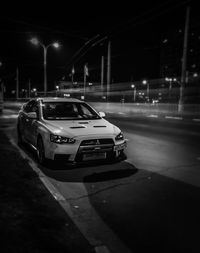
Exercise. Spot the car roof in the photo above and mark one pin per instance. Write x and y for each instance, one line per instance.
(58, 99)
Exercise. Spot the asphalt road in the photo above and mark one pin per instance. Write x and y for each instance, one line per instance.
(148, 202)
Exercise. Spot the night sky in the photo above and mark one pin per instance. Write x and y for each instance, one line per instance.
(136, 31)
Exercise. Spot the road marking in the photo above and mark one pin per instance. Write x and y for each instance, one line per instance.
(152, 116)
(171, 117)
(196, 120)
(115, 243)
(12, 116)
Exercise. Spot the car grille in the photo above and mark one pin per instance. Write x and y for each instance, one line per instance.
(93, 146)
(97, 142)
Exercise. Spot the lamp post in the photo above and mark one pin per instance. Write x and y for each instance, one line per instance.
(170, 80)
(36, 42)
(57, 90)
(145, 82)
(134, 94)
(73, 72)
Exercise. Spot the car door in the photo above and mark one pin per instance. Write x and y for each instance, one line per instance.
(32, 124)
(24, 119)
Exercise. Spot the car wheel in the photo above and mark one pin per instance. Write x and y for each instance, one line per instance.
(41, 152)
(20, 138)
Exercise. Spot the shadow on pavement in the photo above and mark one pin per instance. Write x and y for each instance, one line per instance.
(106, 172)
(91, 172)
(109, 175)
(151, 214)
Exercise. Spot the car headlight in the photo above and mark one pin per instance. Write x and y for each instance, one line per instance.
(61, 140)
(119, 137)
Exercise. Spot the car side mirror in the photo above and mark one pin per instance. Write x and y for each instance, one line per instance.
(102, 114)
(32, 115)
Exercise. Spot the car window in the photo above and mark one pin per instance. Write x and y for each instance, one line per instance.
(28, 106)
(67, 111)
(31, 106)
(34, 107)
(85, 111)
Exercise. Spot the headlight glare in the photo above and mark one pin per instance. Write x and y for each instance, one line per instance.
(61, 139)
(119, 137)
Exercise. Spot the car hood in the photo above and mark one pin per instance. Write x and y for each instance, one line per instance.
(75, 128)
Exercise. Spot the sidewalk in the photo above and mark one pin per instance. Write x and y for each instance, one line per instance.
(30, 219)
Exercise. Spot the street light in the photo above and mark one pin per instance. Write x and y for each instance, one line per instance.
(34, 92)
(57, 90)
(146, 83)
(134, 94)
(36, 42)
(170, 80)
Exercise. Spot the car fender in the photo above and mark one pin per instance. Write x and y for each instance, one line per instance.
(44, 132)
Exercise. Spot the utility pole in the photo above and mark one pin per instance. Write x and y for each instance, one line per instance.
(73, 72)
(84, 84)
(102, 72)
(29, 88)
(86, 73)
(108, 69)
(45, 70)
(184, 60)
(17, 83)
(2, 88)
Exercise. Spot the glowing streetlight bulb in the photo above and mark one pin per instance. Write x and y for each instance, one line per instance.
(34, 41)
(56, 45)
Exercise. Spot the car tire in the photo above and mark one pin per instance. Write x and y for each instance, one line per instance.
(20, 138)
(41, 152)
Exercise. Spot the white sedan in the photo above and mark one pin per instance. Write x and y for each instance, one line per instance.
(69, 130)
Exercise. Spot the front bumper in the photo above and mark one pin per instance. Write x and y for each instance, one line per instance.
(100, 152)
(106, 150)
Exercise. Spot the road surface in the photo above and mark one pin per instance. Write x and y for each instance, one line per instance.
(148, 202)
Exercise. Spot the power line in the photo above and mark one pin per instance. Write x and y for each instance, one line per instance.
(81, 48)
(90, 47)
(43, 27)
(134, 22)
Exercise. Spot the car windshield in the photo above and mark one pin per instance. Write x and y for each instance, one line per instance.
(68, 111)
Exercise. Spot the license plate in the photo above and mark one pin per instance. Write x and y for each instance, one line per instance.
(95, 156)
(120, 147)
